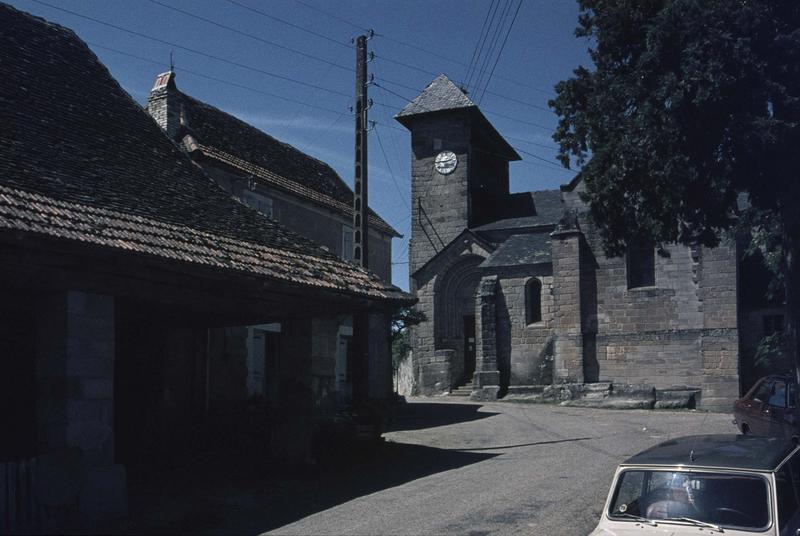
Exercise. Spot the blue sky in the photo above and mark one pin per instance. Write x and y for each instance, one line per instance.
(286, 66)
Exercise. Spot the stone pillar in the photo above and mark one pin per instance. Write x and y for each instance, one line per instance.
(568, 365)
(324, 345)
(380, 357)
(720, 340)
(75, 401)
(486, 381)
(291, 421)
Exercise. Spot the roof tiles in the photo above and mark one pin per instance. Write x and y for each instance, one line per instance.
(441, 94)
(80, 160)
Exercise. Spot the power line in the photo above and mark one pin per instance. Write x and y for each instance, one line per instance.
(529, 142)
(215, 79)
(490, 51)
(497, 59)
(392, 135)
(471, 70)
(391, 173)
(534, 106)
(545, 160)
(194, 51)
(548, 92)
(498, 114)
(325, 131)
(289, 23)
(552, 163)
(300, 52)
(340, 19)
(287, 99)
(252, 36)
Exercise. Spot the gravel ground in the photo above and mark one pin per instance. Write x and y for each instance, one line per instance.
(449, 466)
(498, 468)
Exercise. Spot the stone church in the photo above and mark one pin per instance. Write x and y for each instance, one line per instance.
(518, 293)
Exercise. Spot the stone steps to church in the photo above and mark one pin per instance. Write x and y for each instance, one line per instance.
(462, 390)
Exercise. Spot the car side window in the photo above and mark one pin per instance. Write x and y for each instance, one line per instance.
(787, 497)
(763, 392)
(794, 467)
(778, 396)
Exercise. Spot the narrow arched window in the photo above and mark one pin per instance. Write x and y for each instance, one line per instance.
(533, 301)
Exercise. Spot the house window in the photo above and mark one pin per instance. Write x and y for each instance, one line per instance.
(347, 242)
(533, 301)
(259, 202)
(641, 264)
(772, 324)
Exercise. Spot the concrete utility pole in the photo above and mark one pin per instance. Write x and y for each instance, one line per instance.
(360, 186)
(360, 222)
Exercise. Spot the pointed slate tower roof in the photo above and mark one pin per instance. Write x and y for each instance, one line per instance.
(440, 95)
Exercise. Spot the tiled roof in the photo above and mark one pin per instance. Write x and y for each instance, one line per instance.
(282, 165)
(81, 161)
(521, 249)
(548, 210)
(441, 94)
(291, 186)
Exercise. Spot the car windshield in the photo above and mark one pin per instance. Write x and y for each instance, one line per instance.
(726, 500)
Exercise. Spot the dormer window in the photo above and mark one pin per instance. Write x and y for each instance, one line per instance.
(259, 202)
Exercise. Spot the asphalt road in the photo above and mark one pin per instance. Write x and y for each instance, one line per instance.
(456, 467)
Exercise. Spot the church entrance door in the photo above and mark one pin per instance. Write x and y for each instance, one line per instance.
(469, 347)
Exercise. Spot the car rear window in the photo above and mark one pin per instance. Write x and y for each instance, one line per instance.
(725, 499)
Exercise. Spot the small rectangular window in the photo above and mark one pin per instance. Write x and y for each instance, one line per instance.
(347, 242)
(641, 264)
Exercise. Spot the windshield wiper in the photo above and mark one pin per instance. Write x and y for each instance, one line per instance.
(694, 522)
(637, 518)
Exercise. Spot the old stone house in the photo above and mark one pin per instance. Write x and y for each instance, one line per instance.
(302, 193)
(119, 258)
(518, 293)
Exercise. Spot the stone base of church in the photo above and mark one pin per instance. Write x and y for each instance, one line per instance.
(485, 385)
(485, 394)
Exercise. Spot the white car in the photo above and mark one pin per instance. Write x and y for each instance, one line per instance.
(704, 485)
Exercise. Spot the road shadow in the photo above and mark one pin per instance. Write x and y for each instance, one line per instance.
(239, 495)
(418, 415)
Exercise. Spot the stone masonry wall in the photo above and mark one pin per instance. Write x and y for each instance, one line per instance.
(720, 347)
(568, 365)
(440, 203)
(521, 346)
(680, 332)
(423, 285)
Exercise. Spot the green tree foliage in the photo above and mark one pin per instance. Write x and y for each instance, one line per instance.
(402, 319)
(689, 104)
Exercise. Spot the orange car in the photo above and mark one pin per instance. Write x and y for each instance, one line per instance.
(769, 408)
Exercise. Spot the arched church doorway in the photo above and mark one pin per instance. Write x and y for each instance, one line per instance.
(454, 316)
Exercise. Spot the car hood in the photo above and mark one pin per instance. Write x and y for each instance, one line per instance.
(663, 529)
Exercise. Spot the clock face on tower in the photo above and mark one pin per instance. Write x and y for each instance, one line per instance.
(446, 162)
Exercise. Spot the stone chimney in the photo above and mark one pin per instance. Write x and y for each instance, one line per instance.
(164, 104)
